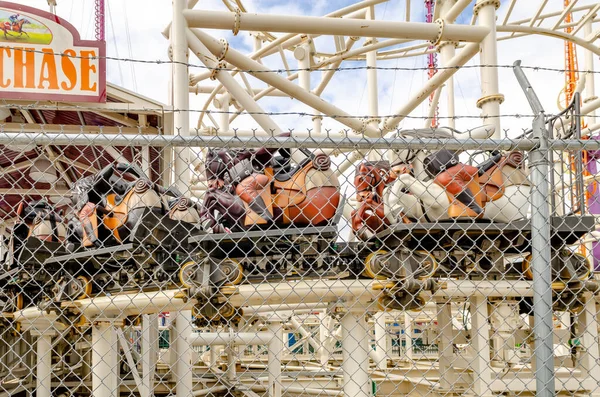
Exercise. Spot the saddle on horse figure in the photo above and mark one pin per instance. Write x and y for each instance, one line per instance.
(249, 188)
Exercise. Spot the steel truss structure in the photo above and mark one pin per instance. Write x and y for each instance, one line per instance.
(505, 307)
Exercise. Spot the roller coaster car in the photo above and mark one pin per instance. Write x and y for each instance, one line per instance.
(269, 219)
(126, 233)
(38, 233)
(464, 218)
(112, 210)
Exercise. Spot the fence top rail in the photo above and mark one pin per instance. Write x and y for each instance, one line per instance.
(321, 142)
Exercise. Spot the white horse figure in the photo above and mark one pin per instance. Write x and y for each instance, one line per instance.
(505, 188)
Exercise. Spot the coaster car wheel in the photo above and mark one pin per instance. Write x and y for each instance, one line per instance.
(187, 273)
(429, 265)
(86, 287)
(369, 270)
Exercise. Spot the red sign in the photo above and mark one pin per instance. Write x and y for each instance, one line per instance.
(43, 58)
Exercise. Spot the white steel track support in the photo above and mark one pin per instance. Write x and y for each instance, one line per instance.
(490, 100)
(468, 52)
(275, 354)
(181, 97)
(480, 336)
(283, 84)
(232, 86)
(588, 326)
(183, 374)
(44, 363)
(333, 26)
(105, 359)
(355, 347)
(590, 85)
(381, 342)
(447, 52)
(149, 352)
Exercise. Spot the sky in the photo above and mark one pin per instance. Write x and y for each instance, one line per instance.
(133, 30)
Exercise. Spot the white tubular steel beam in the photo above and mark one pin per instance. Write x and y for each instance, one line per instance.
(590, 85)
(268, 76)
(232, 86)
(181, 96)
(433, 105)
(305, 334)
(131, 363)
(301, 292)
(234, 338)
(381, 349)
(453, 65)
(332, 26)
(490, 96)
(183, 367)
(355, 349)
(275, 354)
(149, 353)
(105, 360)
(44, 364)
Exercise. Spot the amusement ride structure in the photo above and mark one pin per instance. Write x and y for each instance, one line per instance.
(351, 258)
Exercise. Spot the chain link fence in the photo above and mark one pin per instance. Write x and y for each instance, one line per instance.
(431, 262)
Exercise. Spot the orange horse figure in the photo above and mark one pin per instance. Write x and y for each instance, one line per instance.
(15, 27)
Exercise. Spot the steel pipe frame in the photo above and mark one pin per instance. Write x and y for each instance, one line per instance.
(302, 292)
(529, 30)
(289, 40)
(234, 338)
(355, 350)
(489, 75)
(232, 86)
(273, 79)
(44, 363)
(274, 362)
(181, 97)
(468, 52)
(275, 142)
(105, 360)
(332, 26)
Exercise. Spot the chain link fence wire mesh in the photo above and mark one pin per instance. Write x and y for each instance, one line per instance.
(428, 263)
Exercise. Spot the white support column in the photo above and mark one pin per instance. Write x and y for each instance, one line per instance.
(183, 353)
(447, 52)
(105, 360)
(381, 340)
(222, 104)
(230, 373)
(355, 347)
(590, 87)
(372, 90)
(275, 353)
(181, 102)
(303, 56)
(490, 97)
(480, 336)
(149, 352)
(590, 356)
(44, 363)
(445, 345)
(408, 334)
(323, 335)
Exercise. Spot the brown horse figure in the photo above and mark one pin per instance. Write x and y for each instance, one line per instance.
(371, 179)
(15, 27)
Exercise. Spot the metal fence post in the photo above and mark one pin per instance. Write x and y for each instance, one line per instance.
(540, 245)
